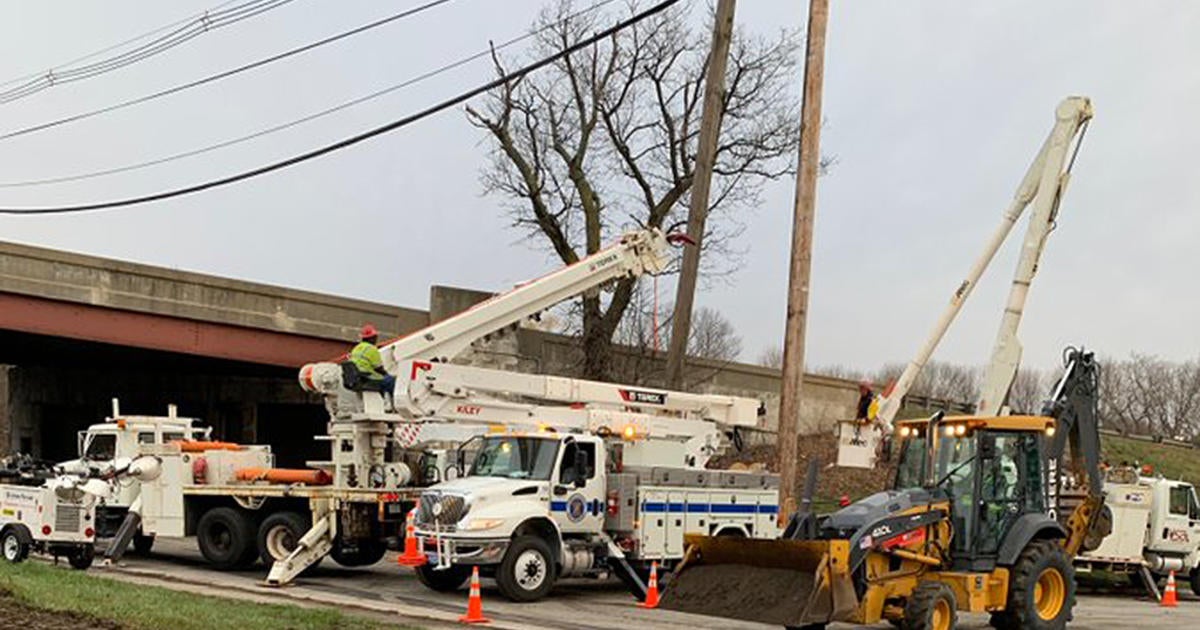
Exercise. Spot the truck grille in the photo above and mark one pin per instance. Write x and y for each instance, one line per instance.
(453, 508)
(66, 518)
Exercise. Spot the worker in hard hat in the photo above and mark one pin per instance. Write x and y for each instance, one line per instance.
(366, 357)
(868, 402)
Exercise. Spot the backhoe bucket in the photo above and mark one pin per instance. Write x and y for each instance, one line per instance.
(779, 582)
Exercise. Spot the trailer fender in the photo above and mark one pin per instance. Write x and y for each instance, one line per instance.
(1027, 528)
(21, 530)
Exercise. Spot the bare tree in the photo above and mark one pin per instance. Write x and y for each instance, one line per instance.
(840, 371)
(771, 357)
(607, 136)
(947, 381)
(713, 337)
(1029, 390)
(1151, 396)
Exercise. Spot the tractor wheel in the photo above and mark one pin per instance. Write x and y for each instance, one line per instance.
(932, 606)
(1041, 589)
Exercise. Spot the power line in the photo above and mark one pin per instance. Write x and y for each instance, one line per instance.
(309, 118)
(118, 45)
(226, 74)
(366, 135)
(179, 33)
(296, 122)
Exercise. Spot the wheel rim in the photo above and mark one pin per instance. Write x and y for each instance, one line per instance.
(1049, 594)
(530, 569)
(280, 542)
(12, 547)
(941, 615)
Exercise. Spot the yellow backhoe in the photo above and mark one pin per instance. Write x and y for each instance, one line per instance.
(969, 526)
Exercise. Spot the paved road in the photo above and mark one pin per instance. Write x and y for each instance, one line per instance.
(386, 589)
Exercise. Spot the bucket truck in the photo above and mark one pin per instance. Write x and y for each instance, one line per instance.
(1042, 187)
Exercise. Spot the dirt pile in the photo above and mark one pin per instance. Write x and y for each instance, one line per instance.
(16, 614)
(737, 591)
(832, 482)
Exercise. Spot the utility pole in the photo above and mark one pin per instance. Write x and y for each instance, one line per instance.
(706, 153)
(801, 263)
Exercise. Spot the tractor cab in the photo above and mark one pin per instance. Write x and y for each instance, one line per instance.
(991, 470)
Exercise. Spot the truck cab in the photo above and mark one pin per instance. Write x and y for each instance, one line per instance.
(530, 507)
(1173, 533)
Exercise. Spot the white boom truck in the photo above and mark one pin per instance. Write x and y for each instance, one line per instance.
(1043, 187)
(1155, 530)
(600, 493)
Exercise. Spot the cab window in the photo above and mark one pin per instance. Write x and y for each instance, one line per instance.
(102, 447)
(146, 437)
(1181, 497)
(172, 437)
(566, 468)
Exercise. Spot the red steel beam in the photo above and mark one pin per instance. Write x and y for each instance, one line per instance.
(159, 332)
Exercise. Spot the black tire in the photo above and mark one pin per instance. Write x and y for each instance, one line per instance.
(142, 544)
(226, 538)
(527, 572)
(364, 553)
(278, 534)
(445, 581)
(1196, 581)
(14, 546)
(1040, 561)
(932, 606)
(81, 558)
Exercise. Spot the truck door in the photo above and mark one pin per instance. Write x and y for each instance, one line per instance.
(1175, 533)
(578, 503)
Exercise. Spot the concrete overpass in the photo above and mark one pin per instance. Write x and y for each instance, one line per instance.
(76, 331)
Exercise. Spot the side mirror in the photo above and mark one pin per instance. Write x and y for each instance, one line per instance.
(581, 468)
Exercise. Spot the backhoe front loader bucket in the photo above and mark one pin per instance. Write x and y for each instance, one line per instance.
(780, 582)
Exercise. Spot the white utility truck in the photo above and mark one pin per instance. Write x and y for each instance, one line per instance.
(1043, 187)
(536, 507)
(1155, 530)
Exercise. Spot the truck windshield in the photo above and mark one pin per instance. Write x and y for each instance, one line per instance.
(515, 458)
(102, 446)
(912, 463)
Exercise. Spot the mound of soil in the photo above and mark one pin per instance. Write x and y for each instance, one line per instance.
(737, 591)
(832, 482)
(16, 614)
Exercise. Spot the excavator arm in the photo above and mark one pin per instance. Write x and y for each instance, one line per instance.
(1075, 451)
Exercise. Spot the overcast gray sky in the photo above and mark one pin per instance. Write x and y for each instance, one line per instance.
(933, 110)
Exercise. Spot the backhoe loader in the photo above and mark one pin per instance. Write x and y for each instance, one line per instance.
(969, 526)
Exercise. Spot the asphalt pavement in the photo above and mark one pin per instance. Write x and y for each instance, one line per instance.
(387, 590)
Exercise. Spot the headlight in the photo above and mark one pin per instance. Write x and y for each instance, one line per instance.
(480, 524)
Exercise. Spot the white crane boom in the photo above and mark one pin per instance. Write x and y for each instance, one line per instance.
(1042, 185)
(636, 253)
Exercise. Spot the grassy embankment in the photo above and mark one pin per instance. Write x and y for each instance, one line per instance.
(148, 607)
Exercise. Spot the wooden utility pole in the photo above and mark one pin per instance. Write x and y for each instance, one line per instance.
(706, 153)
(801, 264)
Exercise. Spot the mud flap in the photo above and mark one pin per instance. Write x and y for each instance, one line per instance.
(779, 582)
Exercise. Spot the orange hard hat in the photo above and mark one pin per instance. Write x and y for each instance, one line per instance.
(368, 331)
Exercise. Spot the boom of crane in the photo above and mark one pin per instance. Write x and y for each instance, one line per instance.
(1043, 187)
(969, 526)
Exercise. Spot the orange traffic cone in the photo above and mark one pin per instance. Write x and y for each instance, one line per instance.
(1170, 600)
(413, 556)
(652, 588)
(474, 602)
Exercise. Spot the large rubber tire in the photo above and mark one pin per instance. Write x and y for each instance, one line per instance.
(364, 554)
(81, 558)
(13, 546)
(932, 606)
(445, 581)
(1196, 581)
(142, 544)
(278, 535)
(1041, 589)
(226, 538)
(527, 572)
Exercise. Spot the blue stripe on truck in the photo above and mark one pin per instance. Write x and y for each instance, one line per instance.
(716, 508)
